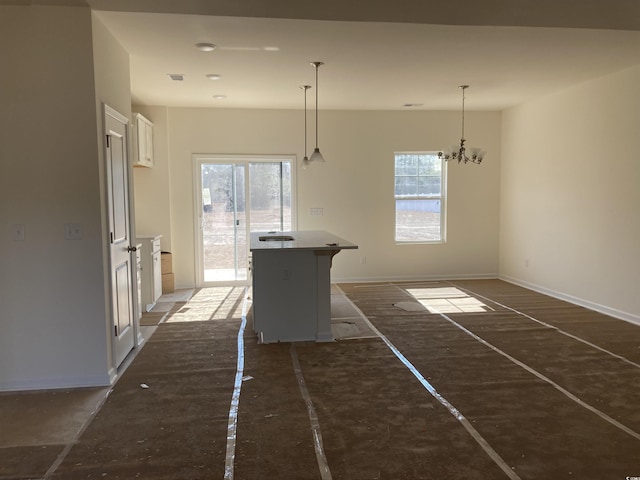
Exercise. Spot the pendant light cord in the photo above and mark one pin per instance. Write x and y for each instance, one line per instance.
(305, 119)
(316, 156)
(317, 66)
(463, 87)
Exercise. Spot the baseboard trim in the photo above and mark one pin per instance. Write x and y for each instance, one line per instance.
(416, 278)
(58, 383)
(612, 312)
(113, 374)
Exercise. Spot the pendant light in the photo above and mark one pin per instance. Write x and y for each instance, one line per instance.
(305, 160)
(459, 152)
(316, 156)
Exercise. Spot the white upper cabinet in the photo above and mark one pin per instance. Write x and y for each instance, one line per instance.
(142, 142)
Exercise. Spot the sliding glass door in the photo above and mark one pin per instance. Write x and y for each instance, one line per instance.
(238, 195)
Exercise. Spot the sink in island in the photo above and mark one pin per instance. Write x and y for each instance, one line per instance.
(292, 284)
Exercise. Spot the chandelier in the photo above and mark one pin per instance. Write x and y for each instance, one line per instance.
(460, 152)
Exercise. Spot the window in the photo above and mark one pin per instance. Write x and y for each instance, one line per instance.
(420, 197)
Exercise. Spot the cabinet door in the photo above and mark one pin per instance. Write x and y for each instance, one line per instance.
(157, 276)
(148, 134)
(142, 141)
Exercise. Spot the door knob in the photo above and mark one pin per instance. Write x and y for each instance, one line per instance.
(131, 249)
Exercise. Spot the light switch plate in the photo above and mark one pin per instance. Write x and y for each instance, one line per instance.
(17, 230)
(316, 211)
(73, 231)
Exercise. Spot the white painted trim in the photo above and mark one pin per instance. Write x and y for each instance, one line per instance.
(612, 312)
(416, 278)
(197, 219)
(109, 111)
(104, 380)
(113, 375)
(115, 114)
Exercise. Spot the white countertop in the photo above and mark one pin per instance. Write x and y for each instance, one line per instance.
(302, 240)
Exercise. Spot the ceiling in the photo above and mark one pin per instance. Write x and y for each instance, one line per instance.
(379, 57)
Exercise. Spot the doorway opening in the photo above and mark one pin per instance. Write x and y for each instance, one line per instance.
(236, 195)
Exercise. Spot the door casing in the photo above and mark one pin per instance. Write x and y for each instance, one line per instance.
(125, 331)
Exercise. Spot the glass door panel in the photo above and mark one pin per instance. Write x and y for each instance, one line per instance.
(270, 196)
(224, 227)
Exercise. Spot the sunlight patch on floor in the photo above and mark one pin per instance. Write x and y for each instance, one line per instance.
(212, 303)
(448, 300)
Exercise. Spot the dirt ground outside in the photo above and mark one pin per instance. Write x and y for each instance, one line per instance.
(220, 234)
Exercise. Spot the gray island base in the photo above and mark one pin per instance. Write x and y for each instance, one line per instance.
(292, 284)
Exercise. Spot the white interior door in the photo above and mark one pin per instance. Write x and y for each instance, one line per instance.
(122, 262)
(238, 195)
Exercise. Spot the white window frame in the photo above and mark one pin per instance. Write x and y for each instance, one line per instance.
(442, 197)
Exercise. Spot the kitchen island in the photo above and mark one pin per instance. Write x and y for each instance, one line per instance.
(292, 284)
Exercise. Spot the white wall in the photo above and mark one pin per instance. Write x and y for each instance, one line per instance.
(51, 290)
(152, 188)
(55, 320)
(354, 187)
(112, 88)
(570, 206)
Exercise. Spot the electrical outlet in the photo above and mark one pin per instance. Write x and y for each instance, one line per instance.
(18, 232)
(73, 231)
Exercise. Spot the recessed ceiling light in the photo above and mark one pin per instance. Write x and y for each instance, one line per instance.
(178, 77)
(219, 97)
(206, 47)
(213, 76)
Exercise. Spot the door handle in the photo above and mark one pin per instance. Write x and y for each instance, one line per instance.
(131, 249)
